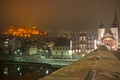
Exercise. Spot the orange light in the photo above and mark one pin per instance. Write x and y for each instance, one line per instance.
(45, 33)
(40, 33)
(29, 35)
(23, 32)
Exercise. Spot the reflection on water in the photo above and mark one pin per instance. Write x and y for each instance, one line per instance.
(24, 71)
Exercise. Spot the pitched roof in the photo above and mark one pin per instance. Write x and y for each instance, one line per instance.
(108, 37)
(108, 30)
(62, 42)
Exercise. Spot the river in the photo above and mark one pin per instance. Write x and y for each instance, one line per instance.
(11, 70)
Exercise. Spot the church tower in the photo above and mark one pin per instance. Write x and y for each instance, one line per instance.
(114, 28)
(108, 36)
(101, 30)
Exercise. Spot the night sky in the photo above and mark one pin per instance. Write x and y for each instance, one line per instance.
(56, 15)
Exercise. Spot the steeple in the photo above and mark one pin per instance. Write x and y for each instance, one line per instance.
(101, 24)
(115, 21)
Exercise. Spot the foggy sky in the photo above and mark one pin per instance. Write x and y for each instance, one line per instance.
(75, 15)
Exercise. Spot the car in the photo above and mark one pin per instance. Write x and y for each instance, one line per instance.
(98, 57)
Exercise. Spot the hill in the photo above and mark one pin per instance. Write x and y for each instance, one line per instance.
(107, 67)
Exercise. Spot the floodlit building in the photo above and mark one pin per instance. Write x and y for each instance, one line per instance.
(108, 36)
(24, 31)
(33, 50)
(61, 48)
(83, 42)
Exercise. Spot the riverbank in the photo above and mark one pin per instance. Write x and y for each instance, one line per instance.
(56, 63)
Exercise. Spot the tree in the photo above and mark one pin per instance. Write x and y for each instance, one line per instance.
(102, 48)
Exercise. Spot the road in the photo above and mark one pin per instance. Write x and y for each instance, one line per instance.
(90, 75)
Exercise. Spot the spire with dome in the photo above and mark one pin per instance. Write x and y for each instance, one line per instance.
(115, 21)
(101, 24)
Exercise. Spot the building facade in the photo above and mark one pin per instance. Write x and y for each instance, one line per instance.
(83, 42)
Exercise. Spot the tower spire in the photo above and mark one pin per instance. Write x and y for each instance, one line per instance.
(101, 24)
(115, 21)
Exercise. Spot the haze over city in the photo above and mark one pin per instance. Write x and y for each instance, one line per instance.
(54, 15)
(59, 39)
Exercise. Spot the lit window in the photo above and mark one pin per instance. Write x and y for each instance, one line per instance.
(73, 50)
(76, 50)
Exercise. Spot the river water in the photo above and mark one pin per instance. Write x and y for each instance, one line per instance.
(24, 71)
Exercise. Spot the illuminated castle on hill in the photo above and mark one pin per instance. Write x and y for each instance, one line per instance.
(24, 31)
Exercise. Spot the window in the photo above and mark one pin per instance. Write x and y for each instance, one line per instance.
(56, 52)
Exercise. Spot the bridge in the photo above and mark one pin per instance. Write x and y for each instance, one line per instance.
(36, 59)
